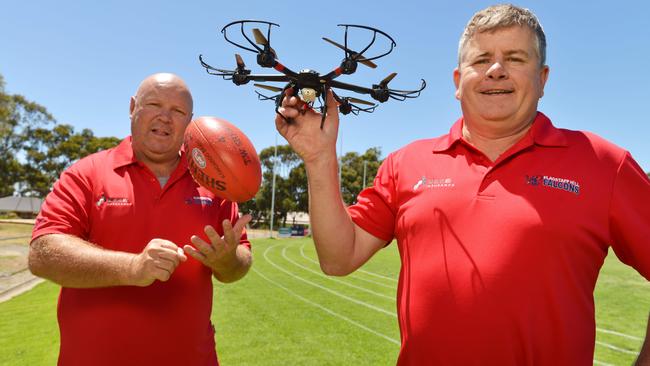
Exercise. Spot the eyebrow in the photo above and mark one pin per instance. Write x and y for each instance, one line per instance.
(517, 52)
(520, 52)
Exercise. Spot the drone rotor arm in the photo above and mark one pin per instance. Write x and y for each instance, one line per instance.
(270, 77)
(350, 87)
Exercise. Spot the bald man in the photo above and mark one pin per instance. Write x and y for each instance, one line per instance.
(115, 233)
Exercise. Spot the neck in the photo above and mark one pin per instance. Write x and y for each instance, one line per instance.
(158, 168)
(493, 143)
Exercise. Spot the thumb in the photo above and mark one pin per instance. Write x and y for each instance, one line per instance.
(332, 104)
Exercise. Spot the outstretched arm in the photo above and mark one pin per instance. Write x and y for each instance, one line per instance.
(341, 245)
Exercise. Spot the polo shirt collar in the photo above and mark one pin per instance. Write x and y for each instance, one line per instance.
(542, 132)
(124, 155)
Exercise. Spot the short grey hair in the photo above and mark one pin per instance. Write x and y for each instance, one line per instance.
(504, 16)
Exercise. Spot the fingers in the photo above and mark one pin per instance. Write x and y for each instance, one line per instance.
(157, 261)
(218, 249)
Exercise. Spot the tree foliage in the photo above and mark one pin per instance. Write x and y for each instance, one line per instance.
(34, 149)
(291, 193)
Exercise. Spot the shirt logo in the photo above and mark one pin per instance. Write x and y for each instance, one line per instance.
(198, 157)
(429, 183)
(562, 184)
(199, 200)
(112, 201)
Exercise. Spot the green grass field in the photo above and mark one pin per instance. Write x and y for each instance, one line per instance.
(286, 312)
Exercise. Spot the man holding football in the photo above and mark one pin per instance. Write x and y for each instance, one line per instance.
(114, 233)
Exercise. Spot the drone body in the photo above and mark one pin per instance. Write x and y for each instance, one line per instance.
(307, 84)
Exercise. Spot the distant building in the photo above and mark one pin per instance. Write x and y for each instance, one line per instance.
(23, 206)
(297, 218)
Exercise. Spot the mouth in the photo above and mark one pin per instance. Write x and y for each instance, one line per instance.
(497, 91)
(160, 132)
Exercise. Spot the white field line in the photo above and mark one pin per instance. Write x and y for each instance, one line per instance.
(607, 331)
(377, 275)
(355, 274)
(614, 348)
(336, 293)
(327, 310)
(320, 274)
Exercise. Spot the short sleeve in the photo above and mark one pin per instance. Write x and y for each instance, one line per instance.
(629, 216)
(65, 210)
(375, 209)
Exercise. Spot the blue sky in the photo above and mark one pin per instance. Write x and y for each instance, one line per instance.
(83, 60)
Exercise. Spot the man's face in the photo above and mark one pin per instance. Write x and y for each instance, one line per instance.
(499, 80)
(160, 112)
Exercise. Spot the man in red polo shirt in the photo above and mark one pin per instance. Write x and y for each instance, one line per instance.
(502, 225)
(115, 231)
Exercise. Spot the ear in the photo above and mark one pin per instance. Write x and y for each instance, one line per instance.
(543, 76)
(132, 106)
(457, 82)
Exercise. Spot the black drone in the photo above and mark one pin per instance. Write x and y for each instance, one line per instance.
(307, 84)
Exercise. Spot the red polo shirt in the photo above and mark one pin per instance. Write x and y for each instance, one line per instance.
(112, 200)
(500, 259)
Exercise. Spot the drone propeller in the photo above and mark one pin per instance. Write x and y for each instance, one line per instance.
(269, 87)
(387, 80)
(261, 40)
(358, 101)
(360, 59)
(240, 62)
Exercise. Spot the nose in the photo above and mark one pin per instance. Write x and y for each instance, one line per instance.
(497, 72)
(165, 114)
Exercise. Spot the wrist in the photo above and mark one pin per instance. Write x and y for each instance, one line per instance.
(322, 163)
(225, 265)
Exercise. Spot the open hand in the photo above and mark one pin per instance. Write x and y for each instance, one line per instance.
(220, 254)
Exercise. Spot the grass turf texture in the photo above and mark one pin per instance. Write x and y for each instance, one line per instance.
(286, 312)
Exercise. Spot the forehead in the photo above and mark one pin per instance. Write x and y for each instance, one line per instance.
(164, 90)
(502, 39)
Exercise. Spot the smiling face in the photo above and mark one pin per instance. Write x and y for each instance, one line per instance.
(499, 80)
(160, 111)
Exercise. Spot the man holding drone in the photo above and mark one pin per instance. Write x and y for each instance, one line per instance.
(502, 224)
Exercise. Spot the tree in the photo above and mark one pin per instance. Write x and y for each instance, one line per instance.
(352, 167)
(17, 116)
(260, 206)
(291, 182)
(49, 152)
(34, 150)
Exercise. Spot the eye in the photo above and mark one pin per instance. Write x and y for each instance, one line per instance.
(515, 59)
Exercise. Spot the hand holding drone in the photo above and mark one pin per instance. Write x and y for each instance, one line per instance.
(307, 84)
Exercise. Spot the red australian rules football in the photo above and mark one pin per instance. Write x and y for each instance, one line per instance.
(222, 159)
